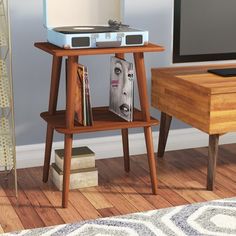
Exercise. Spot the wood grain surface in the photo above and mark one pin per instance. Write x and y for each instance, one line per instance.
(200, 99)
(56, 51)
(103, 119)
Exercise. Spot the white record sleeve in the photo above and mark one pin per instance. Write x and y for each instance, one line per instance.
(121, 88)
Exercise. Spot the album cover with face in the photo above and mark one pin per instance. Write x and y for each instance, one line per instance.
(121, 88)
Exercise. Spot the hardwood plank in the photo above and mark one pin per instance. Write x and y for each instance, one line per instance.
(69, 214)
(25, 211)
(125, 189)
(83, 205)
(194, 164)
(184, 175)
(39, 201)
(9, 220)
(227, 155)
(95, 198)
(228, 183)
(170, 177)
(166, 193)
(114, 197)
(142, 187)
(107, 212)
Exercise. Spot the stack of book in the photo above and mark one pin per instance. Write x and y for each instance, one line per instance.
(83, 171)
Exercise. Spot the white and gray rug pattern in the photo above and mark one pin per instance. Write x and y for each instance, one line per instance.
(216, 218)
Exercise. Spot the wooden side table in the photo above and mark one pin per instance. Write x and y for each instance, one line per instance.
(198, 98)
(63, 121)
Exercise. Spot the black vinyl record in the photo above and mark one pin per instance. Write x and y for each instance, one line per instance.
(83, 29)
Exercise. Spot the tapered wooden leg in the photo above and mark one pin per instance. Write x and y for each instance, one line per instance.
(163, 134)
(124, 132)
(151, 158)
(212, 159)
(70, 90)
(47, 155)
(142, 85)
(70, 99)
(66, 169)
(55, 80)
(143, 97)
(125, 141)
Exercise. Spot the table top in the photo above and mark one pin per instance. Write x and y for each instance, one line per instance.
(198, 77)
(57, 51)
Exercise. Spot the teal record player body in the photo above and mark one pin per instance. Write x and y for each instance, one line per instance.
(76, 24)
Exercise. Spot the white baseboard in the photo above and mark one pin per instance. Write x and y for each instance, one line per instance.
(111, 146)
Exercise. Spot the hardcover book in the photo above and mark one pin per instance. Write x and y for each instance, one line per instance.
(121, 88)
(82, 157)
(78, 178)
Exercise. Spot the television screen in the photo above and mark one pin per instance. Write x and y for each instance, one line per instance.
(204, 30)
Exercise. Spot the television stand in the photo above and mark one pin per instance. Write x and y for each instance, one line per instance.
(225, 72)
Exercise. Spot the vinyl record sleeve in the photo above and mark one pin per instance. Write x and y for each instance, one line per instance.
(83, 109)
(79, 105)
(121, 88)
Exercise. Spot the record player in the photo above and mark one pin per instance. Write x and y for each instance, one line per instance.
(76, 24)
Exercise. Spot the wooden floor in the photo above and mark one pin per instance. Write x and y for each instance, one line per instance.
(182, 180)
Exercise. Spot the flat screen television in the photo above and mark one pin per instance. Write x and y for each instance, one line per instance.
(204, 30)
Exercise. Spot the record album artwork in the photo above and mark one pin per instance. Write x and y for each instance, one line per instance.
(121, 88)
(83, 109)
(80, 95)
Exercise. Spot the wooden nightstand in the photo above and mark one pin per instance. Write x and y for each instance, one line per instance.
(198, 98)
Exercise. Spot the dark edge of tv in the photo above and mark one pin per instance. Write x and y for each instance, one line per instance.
(177, 58)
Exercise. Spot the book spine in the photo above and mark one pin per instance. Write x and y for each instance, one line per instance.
(76, 163)
(78, 107)
(88, 101)
(84, 97)
(77, 180)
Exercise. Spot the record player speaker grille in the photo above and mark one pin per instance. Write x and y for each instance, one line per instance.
(134, 39)
(80, 42)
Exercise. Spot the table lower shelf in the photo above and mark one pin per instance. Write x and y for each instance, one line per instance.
(103, 120)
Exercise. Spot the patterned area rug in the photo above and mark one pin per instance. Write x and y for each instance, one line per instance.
(209, 218)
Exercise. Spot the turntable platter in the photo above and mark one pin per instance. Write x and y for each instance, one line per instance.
(83, 29)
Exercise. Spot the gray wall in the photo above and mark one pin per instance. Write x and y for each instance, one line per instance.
(31, 67)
